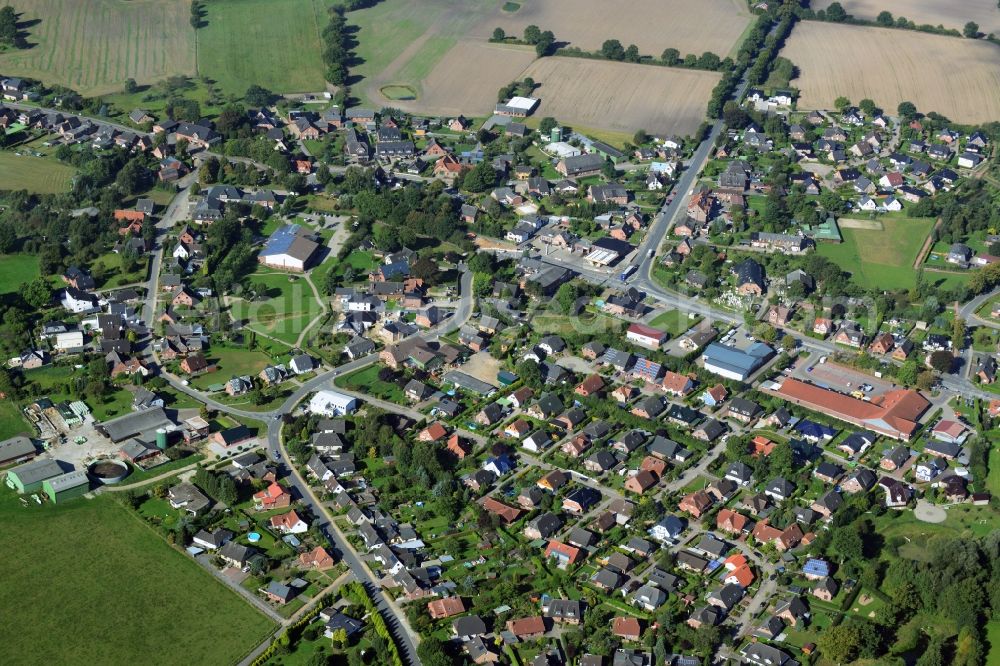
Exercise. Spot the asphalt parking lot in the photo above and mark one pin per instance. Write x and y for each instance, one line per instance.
(844, 379)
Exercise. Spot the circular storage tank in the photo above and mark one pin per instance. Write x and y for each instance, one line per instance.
(108, 471)
(161, 439)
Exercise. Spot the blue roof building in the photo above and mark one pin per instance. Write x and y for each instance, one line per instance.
(734, 363)
(288, 248)
(814, 431)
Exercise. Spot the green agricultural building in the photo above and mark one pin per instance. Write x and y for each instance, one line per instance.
(66, 486)
(28, 478)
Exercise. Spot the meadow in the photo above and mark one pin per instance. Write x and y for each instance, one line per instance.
(16, 269)
(272, 43)
(286, 312)
(959, 78)
(94, 46)
(42, 175)
(881, 258)
(74, 558)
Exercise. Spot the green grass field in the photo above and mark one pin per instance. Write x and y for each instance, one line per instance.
(52, 381)
(288, 310)
(15, 270)
(114, 591)
(673, 322)
(94, 46)
(11, 420)
(36, 174)
(881, 259)
(366, 379)
(272, 43)
(231, 361)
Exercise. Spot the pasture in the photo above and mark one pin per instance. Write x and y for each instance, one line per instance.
(272, 43)
(34, 174)
(94, 46)
(622, 97)
(958, 78)
(91, 569)
(925, 12)
(881, 258)
(652, 25)
(15, 270)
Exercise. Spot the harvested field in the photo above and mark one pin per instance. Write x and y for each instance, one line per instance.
(690, 26)
(958, 78)
(94, 46)
(467, 80)
(622, 97)
(407, 42)
(925, 12)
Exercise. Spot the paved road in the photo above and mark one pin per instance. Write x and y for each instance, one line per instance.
(406, 639)
(67, 114)
(968, 311)
(205, 561)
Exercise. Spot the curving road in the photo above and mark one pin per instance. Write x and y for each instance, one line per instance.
(406, 639)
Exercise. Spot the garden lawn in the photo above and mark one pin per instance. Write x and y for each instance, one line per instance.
(16, 269)
(285, 313)
(366, 380)
(231, 361)
(882, 259)
(41, 175)
(114, 591)
(673, 322)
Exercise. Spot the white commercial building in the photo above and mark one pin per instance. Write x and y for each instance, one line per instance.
(332, 403)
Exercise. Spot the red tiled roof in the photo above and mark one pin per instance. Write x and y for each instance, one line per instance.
(446, 607)
(626, 627)
(895, 413)
(648, 331)
(286, 520)
(572, 554)
(675, 382)
(527, 626)
(507, 513)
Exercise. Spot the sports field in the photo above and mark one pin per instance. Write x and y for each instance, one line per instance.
(272, 43)
(959, 78)
(881, 258)
(89, 583)
(15, 270)
(94, 46)
(35, 174)
(925, 12)
(622, 97)
(286, 312)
